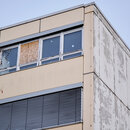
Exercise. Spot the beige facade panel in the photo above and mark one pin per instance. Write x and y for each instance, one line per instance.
(19, 31)
(88, 102)
(42, 78)
(29, 52)
(88, 43)
(62, 19)
(68, 127)
(89, 9)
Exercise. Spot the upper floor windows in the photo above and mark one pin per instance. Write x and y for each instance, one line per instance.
(41, 51)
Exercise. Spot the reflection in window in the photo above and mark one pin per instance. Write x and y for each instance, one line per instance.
(51, 47)
(9, 58)
(72, 42)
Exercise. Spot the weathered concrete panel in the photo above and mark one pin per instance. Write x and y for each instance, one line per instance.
(20, 31)
(128, 80)
(104, 118)
(121, 116)
(121, 84)
(109, 112)
(62, 19)
(106, 57)
(96, 45)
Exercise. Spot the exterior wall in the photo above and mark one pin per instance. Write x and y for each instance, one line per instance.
(19, 31)
(109, 112)
(42, 78)
(112, 69)
(69, 127)
(62, 19)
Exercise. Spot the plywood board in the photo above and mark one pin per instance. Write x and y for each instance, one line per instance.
(29, 52)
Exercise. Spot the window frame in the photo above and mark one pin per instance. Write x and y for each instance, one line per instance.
(39, 60)
(30, 63)
(7, 48)
(41, 50)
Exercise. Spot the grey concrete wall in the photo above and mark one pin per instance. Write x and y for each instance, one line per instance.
(109, 112)
(112, 66)
(111, 61)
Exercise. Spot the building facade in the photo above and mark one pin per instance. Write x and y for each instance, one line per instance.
(69, 70)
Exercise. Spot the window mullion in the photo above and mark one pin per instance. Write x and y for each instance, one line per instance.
(18, 58)
(61, 45)
(40, 51)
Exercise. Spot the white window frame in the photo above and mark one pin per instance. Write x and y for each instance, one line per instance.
(30, 63)
(40, 49)
(41, 46)
(7, 48)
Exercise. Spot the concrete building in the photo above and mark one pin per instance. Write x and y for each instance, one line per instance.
(69, 70)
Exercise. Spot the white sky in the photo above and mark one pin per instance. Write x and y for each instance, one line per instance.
(116, 11)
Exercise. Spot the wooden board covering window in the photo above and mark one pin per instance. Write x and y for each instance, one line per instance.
(29, 52)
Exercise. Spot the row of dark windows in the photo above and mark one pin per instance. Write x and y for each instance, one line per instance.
(46, 50)
(42, 112)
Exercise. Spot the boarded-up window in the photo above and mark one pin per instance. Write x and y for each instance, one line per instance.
(29, 52)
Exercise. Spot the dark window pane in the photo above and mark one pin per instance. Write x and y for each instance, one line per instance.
(72, 56)
(67, 107)
(9, 57)
(19, 115)
(51, 47)
(73, 42)
(5, 116)
(50, 112)
(28, 66)
(34, 114)
(78, 104)
(50, 61)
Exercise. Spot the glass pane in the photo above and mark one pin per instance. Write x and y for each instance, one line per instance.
(9, 57)
(73, 42)
(72, 56)
(51, 47)
(50, 61)
(29, 52)
(28, 66)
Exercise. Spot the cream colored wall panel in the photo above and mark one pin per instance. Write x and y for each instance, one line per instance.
(20, 31)
(88, 43)
(88, 102)
(89, 9)
(68, 127)
(42, 78)
(62, 19)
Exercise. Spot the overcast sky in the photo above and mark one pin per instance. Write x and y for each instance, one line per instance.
(116, 11)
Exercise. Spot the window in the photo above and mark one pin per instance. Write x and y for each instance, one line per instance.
(42, 112)
(29, 54)
(62, 46)
(8, 60)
